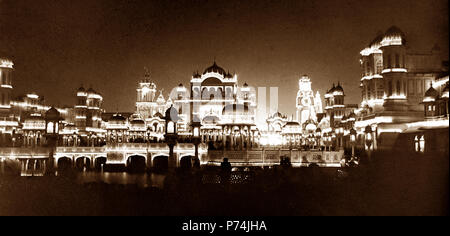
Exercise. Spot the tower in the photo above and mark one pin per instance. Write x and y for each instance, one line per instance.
(146, 105)
(306, 102)
(394, 69)
(81, 108)
(6, 69)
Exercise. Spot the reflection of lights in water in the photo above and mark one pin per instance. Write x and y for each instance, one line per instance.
(123, 178)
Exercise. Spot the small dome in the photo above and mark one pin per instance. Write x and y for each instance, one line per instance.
(52, 114)
(352, 116)
(172, 114)
(245, 85)
(339, 88)
(310, 126)
(81, 89)
(292, 123)
(91, 91)
(431, 92)
(376, 42)
(211, 119)
(228, 75)
(216, 69)
(430, 95)
(160, 99)
(394, 31)
(196, 75)
(332, 89)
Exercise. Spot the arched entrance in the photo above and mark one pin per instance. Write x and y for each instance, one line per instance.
(82, 162)
(64, 164)
(161, 163)
(136, 164)
(99, 161)
(186, 162)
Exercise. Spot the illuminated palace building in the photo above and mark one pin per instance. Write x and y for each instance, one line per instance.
(403, 92)
(225, 110)
(22, 119)
(308, 114)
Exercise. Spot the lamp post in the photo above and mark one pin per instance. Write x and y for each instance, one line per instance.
(369, 140)
(196, 139)
(353, 141)
(318, 136)
(171, 135)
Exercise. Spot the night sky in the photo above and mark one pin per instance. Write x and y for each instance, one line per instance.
(58, 45)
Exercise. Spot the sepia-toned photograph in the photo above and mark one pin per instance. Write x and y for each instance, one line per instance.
(252, 108)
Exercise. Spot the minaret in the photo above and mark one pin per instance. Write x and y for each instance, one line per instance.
(6, 69)
(81, 108)
(394, 69)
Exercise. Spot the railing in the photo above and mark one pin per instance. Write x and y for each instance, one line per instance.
(24, 152)
(273, 156)
(80, 149)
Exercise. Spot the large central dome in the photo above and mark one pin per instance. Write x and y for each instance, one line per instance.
(215, 68)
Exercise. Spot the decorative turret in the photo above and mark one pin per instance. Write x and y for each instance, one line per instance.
(6, 69)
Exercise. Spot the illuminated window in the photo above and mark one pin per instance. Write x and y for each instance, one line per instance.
(419, 143)
(422, 144)
(170, 127)
(50, 127)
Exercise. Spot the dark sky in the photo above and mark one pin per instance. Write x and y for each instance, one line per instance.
(107, 43)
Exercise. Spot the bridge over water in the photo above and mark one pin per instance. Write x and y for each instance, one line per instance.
(33, 161)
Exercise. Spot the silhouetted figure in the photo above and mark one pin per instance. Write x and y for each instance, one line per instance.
(225, 172)
(285, 162)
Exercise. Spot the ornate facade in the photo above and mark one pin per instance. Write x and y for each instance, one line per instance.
(308, 105)
(396, 85)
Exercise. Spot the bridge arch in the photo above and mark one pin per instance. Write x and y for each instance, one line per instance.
(187, 162)
(136, 163)
(160, 162)
(82, 162)
(64, 163)
(98, 162)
